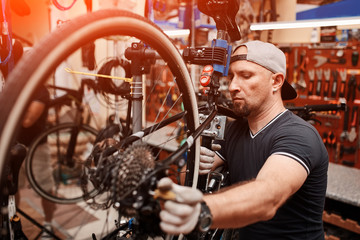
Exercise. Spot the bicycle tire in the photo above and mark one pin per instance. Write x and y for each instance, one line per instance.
(66, 189)
(35, 68)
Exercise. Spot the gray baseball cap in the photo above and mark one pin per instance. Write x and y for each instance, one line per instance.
(270, 57)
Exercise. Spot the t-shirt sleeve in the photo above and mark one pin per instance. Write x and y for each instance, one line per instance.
(301, 143)
(42, 95)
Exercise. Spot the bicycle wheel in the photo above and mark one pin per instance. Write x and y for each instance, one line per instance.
(50, 173)
(167, 85)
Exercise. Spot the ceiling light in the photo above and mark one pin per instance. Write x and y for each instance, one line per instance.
(306, 23)
(177, 33)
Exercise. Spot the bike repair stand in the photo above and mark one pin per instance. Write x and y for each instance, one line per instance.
(13, 231)
(218, 55)
(141, 59)
(210, 78)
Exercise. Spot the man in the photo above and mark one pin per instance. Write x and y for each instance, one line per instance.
(277, 161)
(33, 123)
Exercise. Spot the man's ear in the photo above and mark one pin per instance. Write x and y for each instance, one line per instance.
(277, 81)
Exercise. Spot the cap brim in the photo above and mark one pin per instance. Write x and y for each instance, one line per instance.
(288, 92)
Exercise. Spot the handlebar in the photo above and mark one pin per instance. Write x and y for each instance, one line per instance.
(319, 108)
(307, 112)
(71, 94)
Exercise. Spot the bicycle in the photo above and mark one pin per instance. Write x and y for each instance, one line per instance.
(70, 140)
(67, 143)
(121, 182)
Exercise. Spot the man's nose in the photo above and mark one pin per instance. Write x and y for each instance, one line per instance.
(233, 86)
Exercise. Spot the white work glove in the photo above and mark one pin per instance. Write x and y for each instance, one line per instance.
(181, 214)
(206, 160)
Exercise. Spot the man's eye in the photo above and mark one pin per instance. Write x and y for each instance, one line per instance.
(246, 75)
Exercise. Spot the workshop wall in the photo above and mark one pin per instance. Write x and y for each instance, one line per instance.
(327, 74)
(286, 10)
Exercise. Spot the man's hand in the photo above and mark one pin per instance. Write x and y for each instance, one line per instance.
(180, 215)
(206, 160)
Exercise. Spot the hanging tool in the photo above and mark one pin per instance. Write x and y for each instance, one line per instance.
(354, 58)
(327, 76)
(352, 133)
(319, 80)
(336, 60)
(295, 74)
(286, 51)
(351, 88)
(334, 85)
(353, 71)
(331, 139)
(325, 137)
(311, 74)
(340, 53)
(358, 88)
(302, 68)
(320, 60)
(343, 74)
(287, 62)
(344, 150)
(337, 152)
(331, 142)
(344, 134)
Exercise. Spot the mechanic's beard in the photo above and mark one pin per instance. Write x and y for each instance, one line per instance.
(241, 110)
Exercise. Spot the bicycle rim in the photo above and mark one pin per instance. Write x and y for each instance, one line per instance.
(64, 177)
(37, 68)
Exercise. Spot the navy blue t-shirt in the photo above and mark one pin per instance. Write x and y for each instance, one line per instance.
(287, 134)
(27, 135)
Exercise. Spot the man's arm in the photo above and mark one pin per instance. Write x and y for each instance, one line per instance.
(33, 113)
(257, 200)
(239, 205)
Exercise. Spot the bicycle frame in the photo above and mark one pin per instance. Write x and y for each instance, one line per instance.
(77, 97)
(140, 58)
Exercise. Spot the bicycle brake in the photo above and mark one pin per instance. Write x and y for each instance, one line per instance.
(216, 128)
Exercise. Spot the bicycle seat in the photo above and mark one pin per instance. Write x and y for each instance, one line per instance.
(223, 12)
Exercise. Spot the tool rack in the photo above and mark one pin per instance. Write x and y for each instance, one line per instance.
(327, 75)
